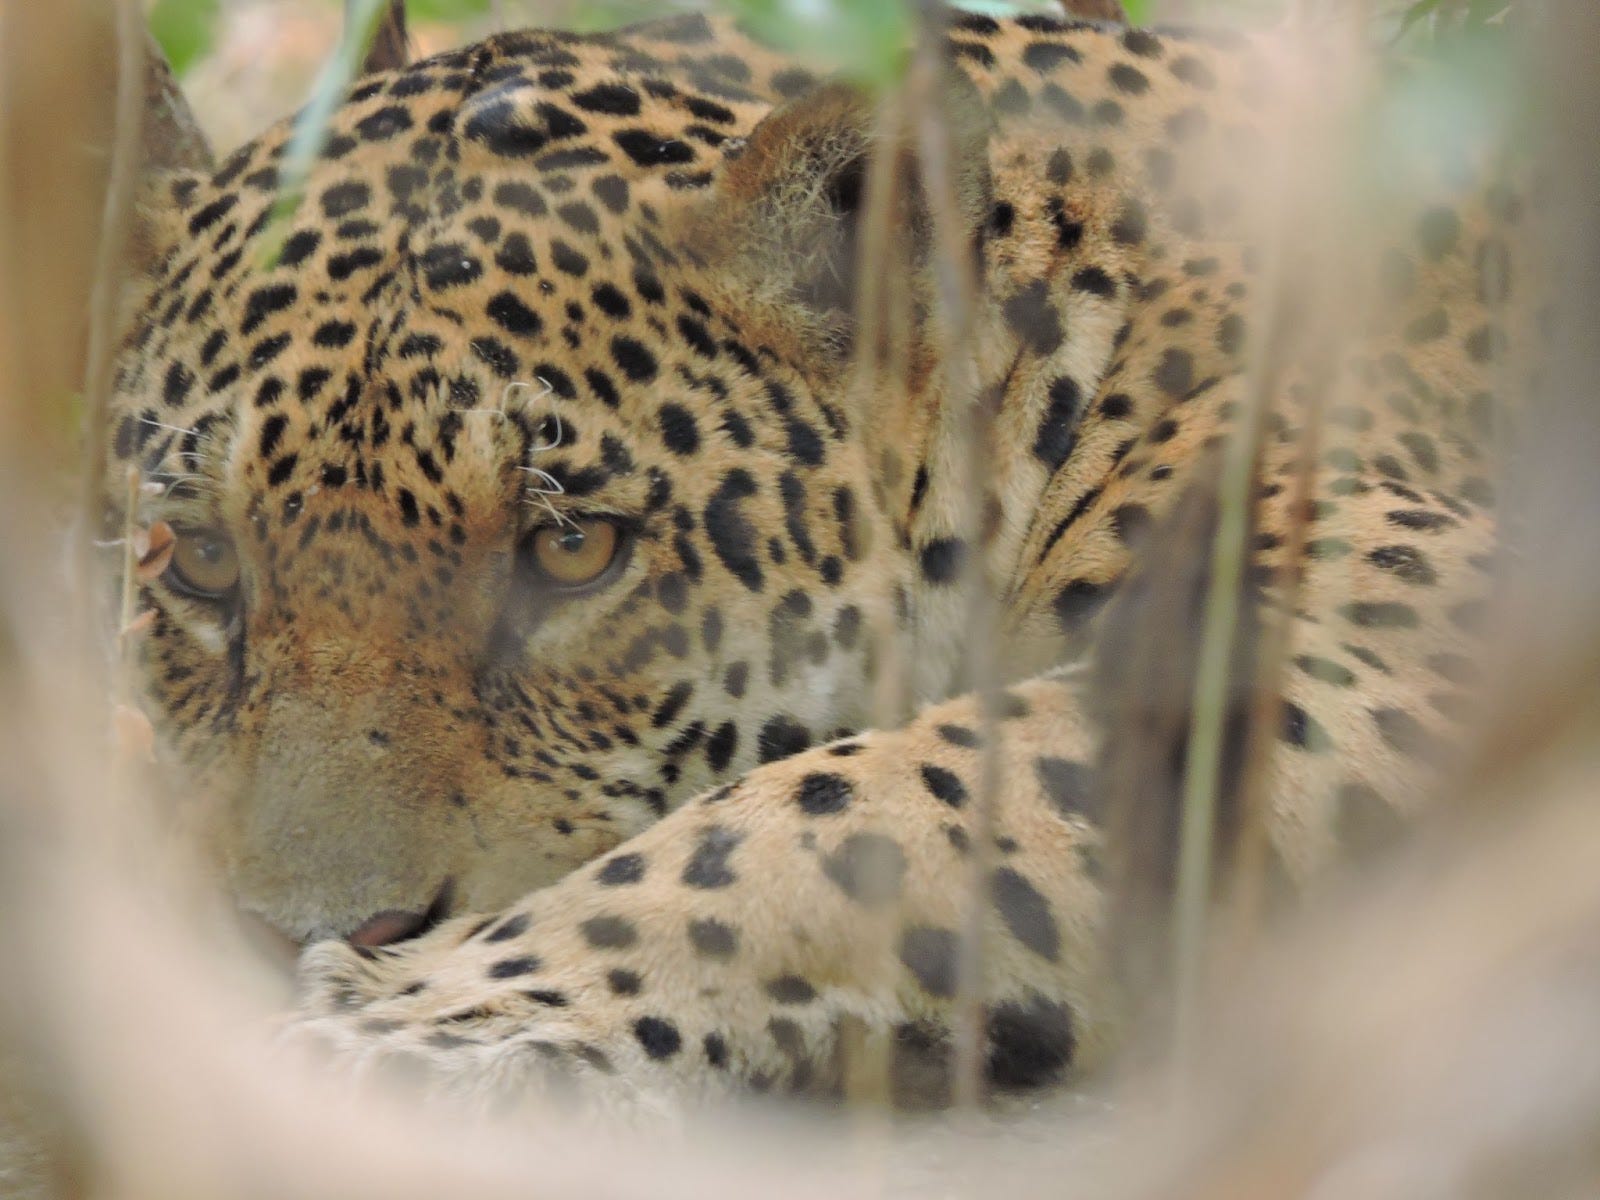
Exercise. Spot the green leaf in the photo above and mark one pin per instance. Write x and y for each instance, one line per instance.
(446, 10)
(185, 30)
(1138, 11)
(867, 41)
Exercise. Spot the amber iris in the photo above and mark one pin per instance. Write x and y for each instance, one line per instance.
(574, 554)
(204, 563)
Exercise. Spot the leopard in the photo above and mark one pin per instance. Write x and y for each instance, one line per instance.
(552, 520)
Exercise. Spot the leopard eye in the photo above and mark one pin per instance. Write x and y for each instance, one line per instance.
(204, 564)
(575, 554)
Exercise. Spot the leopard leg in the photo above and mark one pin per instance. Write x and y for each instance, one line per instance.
(730, 945)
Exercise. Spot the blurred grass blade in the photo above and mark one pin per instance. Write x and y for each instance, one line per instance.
(311, 127)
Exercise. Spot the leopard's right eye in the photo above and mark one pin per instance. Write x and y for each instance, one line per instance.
(204, 565)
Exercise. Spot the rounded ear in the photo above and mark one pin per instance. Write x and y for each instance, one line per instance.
(389, 49)
(172, 145)
(169, 134)
(786, 218)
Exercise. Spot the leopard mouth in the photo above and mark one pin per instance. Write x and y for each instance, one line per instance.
(393, 926)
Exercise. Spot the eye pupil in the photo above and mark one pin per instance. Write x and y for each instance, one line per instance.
(572, 541)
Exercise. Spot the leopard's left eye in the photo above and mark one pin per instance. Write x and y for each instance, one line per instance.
(204, 564)
(575, 554)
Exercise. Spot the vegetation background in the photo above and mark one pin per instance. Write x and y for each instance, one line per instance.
(247, 62)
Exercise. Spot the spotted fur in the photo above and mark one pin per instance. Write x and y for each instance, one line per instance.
(550, 277)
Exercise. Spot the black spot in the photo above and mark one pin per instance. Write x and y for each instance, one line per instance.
(649, 149)
(264, 302)
(1078, 602)
(512, 315)
(1326, 670)
(1032, 316)
(713, 939)
(932, 955)
(941, 559)
(678, 429)
(299, 247)
(623, 983)
(708, 865)
(716, 1050)
(614, 99)
(781, 737)
(1128, 80)
(384, 124)
(1380, 615)
(960, 735)
(1406, 562)
(867, 867)
(1029, 1043)
(609, 933)
(944, 785)
(499, 357)
(567, 260)
(805, 445)
(1405, 733)
(515, 256)
(510, 968)
(732, 535)
(636, 361)
(345, 198)
(671, 704)
(823, 794)
(791, 989)
(1175, 373)
(1058, 428)
(449, 265)
(659, 1037)
(511, 927)
(333, 335)
(520, 197)
(500, 127)
(1068, 786)
(721, 745)
(1131, 225)
(1094, 281)
(1045, 57)
(622, 869)
(1301, 729)
(1026, 913)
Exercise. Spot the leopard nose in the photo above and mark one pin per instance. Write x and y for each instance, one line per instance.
(392, 925)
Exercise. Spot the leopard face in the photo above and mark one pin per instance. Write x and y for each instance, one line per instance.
(501, 529)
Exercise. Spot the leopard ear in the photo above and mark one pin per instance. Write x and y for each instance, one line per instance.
(170, 136)
(787, 218)
(173, 149)
(389, 50)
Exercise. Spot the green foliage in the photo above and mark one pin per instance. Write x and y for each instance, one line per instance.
(185, 29)
(446, 10)
(866, 41)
